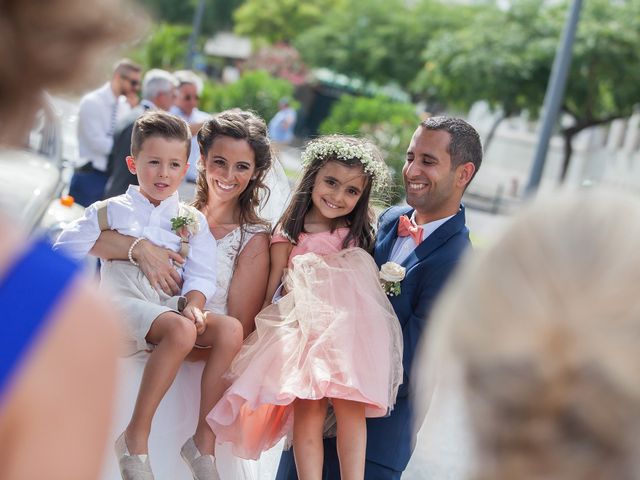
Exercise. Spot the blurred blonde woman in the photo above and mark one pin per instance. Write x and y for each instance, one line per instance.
(55, 390)
(545, 328)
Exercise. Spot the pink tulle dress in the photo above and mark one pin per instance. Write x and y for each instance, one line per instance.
(334, 335)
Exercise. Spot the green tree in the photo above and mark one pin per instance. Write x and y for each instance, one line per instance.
(218, 14)
(279, 20)
(165, 47)
(505, 57)
(170, 10)
(378, 40)
(387, 123)
(257, 91)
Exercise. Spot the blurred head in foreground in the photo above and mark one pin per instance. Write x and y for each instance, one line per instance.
(57, 45)
(56, 389)
(545, 326)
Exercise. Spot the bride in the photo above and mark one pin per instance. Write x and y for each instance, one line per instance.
(235, 161)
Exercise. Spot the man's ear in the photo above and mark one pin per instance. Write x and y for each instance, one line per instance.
(464, 174)
(131, 164)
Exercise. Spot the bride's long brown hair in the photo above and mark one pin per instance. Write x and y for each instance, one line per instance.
(243, 125)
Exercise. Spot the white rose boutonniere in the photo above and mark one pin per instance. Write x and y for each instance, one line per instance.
(186, 223)
(391, 274)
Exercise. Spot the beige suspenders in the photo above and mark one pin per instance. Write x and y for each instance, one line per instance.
(103, 218)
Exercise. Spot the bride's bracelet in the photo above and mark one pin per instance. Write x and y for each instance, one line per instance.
(130, 254)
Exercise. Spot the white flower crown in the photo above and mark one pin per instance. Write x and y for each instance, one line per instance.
(336, 146)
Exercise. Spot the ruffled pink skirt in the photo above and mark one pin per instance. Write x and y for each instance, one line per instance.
(334, 335)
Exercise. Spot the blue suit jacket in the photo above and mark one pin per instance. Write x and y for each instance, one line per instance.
(390, 440)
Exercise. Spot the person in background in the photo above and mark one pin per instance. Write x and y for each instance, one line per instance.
(282, 124)
(56, 395)
(540, 332)
(158, 92)
(98, 116)
(186, 107)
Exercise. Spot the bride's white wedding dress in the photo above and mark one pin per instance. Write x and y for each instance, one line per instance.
(177, 415)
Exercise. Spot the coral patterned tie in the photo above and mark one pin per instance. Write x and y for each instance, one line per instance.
(406, 228)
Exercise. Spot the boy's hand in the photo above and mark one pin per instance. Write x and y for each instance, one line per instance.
(196, 315)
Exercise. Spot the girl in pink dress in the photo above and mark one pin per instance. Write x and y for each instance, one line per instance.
(332, 337)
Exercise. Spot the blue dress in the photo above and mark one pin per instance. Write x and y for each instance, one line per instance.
(29, 291)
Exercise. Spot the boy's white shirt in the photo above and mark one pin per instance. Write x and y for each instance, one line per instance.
(132, 214)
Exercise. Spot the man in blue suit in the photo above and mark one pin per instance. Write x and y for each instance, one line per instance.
(428, 238)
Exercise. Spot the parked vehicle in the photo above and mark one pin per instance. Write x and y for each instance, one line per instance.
(34, 182)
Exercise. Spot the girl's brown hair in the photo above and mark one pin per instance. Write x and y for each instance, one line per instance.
(359, 220)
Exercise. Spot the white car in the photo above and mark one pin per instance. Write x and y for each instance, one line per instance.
(34, 182)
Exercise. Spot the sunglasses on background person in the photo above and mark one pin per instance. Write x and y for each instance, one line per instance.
(134, 82)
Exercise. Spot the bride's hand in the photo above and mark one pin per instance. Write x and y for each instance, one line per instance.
(157, 265)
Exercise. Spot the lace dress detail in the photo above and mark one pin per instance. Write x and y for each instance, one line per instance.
(228, 250)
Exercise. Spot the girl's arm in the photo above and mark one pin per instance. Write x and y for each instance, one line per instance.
(279, 257)
(155, 261)
(249, 282)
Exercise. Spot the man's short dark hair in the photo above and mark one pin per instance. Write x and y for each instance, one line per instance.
(125, 66)
(465, 145)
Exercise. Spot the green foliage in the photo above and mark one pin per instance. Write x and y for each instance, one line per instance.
(279, 20)
(256, 90)
(489, 60)
(606, 61)
(170, 10)
(218, 14)
(505, 57)
(378, 40)
(387, 123)
(166, 47)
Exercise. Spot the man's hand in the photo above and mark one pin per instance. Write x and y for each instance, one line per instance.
(157, 265)
(132, 98)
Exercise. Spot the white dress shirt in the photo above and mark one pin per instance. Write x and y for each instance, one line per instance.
(97, 117)
(403, 246)
(132, 214)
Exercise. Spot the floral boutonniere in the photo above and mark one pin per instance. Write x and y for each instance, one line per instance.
(186, 223)
(391, 274)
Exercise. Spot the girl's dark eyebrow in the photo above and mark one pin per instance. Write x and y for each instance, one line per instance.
(329, 177)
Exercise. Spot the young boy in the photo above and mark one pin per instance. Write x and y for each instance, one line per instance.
(168, 326)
